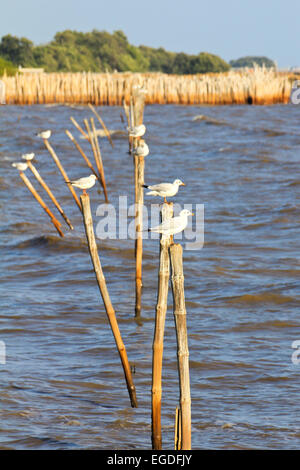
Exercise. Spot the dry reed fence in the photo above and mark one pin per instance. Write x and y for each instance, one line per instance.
(257, 86)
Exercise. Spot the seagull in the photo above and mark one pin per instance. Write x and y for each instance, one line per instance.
(164, 189)
(142, 150)
(136, 131)
(44, 135)
(84, 183)
(28, 156)
(140, 88)
(20, 166)
(173, 225)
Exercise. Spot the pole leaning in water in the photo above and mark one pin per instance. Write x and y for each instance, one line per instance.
(86, 159)
(99, 159)
(35, 194)
(61, 169)
(49, 192)
(89, 230)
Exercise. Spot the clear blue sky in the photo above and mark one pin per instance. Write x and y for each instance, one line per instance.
(229, 28)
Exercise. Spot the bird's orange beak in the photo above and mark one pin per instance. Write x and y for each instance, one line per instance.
(193, 213)
(182, 184)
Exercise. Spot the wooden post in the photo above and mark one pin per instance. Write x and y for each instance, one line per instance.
(102, 124)
(139, 235)
(89, 230)
(55, 222)
(49, 192)
(136, 114)
(99, 159)
(61, 169)
(158, 342)
(182, 344)
(87, 160)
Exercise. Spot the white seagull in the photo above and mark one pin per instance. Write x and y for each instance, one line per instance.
(28, 156)
(44, 135)
(21, 166)
(142, 150)
(84, 183)
(136, 131)
(173, 225)
(164, 189)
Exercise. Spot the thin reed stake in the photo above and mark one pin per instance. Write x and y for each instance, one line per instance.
(35, 194)
(87, 160)
(177, 427)
(85, 135)
(91, 141)
(127, 114)
(89, 230)
(158, 342)
(61, 169)
(102, 124)
(49, 192)
(99, 159)
(182, 344)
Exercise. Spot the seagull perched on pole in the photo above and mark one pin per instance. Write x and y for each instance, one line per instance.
(21, 166)
(28, 156)
(44, 135)
(164, 189)
(137, 131)
(83, 183)
(173, 225)
(142, 150)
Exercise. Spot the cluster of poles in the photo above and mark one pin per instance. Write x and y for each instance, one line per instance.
(258, 86)
(170, 260)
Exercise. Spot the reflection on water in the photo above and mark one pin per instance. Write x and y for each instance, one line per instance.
(62, 384)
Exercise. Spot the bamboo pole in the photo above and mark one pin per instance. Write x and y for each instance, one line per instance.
(49, 192)
(158, 342)
(140, 166)
(78, 127)
(91, 141)
(102, 124)
(182, 344)
(61, 169)
(99, 159)
(127, 114)
(136, 114)
(35, 194)
(88, 224)
(87, 160)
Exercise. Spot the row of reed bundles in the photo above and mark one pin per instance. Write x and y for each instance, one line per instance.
(257, 86)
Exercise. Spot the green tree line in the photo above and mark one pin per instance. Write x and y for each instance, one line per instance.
(100, 51)
(249, 61)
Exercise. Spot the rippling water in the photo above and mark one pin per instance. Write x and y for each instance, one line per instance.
(62, 384)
